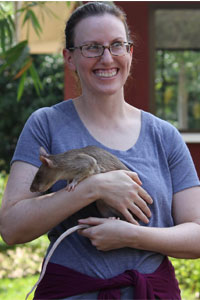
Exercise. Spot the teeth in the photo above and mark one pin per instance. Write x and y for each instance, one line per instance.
(106, 73)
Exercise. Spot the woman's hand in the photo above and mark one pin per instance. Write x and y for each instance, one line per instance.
(122, 190)
(107, 234)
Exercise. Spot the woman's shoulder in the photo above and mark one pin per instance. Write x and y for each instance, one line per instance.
(158, 125)
(63, 107)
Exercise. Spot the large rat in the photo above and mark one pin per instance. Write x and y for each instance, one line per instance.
(74, 166)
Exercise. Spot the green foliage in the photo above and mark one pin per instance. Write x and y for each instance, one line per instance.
(7, 25)
(15, 58)
(16, 289)
(188, 275)
(3, 181)
(22, 260)
(168, 66)
(14, 114)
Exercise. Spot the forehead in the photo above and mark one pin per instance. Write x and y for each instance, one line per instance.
(99, 28)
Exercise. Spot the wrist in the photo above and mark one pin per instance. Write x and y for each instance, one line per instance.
(96, 186)
(92, 185)
(132, 235)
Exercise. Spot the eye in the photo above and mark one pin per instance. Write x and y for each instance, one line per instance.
(38, 176)
(118, 45)
(93, 47)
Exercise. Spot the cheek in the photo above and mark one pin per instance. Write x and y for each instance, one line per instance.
(129, 62)
(126, 62)
(82, 68)
(127, 67)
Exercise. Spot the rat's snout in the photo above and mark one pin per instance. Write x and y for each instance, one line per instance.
(34, 188)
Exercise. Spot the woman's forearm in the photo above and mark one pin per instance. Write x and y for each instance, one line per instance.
(180, 241)
(29, 218)
(25, 217)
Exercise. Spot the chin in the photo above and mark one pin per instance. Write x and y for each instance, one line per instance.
(109, 90)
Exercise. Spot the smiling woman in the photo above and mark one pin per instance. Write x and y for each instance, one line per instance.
(133, 257)
(105, 60)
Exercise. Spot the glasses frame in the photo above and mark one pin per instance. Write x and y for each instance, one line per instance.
(130, 44)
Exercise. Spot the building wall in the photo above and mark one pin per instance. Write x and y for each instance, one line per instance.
(137, 89)
(51, 39)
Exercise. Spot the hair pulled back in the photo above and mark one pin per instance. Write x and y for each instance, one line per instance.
(88, 10)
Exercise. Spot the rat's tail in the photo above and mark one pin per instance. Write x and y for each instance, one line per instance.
(55, 245)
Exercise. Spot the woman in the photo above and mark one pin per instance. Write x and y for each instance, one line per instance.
(99, 50)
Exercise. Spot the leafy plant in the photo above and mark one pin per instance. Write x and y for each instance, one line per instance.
(15, 56)
(14, 114)
(188, 274)
(22, 260)
(16, 289)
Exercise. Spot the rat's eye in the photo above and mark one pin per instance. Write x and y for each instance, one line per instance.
(37, 176)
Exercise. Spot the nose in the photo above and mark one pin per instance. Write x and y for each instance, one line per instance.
(107, 56)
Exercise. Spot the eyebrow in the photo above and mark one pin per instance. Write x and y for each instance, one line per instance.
(99, 43)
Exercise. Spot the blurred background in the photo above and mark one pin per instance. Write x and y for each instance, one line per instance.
(165, 81)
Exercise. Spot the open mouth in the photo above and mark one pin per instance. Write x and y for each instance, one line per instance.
(106, 73)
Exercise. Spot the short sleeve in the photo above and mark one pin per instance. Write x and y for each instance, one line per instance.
(182, 169)
(34, 135)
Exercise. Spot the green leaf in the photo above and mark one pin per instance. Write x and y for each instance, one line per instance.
(10, 20)
(47, 10)
(3, 37)
(6, 32)
(35, 23)
(26, 17)
(30, 16)
(21, 86)
(9, 31)
(14, 57)
(36, 80)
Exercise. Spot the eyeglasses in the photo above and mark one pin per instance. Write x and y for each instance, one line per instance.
(97, 50)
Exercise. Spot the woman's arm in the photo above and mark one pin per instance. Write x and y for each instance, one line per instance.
(180, 241)
(25, 216)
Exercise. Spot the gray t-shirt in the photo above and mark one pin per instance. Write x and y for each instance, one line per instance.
(159, 157)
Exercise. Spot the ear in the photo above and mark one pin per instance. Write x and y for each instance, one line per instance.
(69, 59)
(44, 158)
(43, 152)
(131, 51)
(46, 161)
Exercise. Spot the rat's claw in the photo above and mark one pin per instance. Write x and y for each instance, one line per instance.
(71, 186)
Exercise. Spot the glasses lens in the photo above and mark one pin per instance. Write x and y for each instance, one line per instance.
(92, 50)
(119, 48)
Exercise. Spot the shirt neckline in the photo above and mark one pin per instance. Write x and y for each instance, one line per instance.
(98, 143)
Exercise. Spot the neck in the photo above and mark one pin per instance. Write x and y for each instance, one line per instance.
(101, 108)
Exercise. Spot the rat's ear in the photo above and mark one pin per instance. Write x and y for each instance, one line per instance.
(46, 161)
(43, 152)
(44, 158)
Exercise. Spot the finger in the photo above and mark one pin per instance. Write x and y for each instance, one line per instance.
(141, 204)
(145, 196)
(129, 217)
(85, 233)
(92, 221)
(134, 176)
(139, 214)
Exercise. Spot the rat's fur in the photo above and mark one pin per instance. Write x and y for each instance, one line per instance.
(74, 166)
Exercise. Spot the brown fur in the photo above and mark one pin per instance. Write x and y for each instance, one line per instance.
(74, 166)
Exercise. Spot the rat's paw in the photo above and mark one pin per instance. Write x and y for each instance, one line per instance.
(71, 186)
